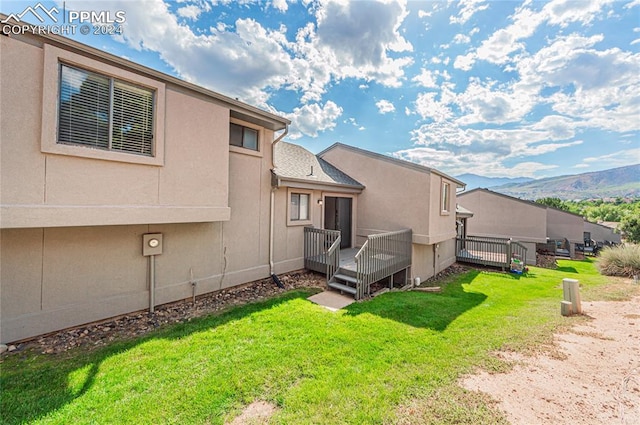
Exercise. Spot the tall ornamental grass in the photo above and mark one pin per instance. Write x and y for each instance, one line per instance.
(622, 260)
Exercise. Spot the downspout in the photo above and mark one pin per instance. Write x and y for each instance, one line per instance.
(272, 204)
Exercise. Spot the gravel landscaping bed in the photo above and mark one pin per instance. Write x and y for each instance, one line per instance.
(139, 323)
(131, 325)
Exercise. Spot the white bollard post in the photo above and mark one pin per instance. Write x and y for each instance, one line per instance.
(571, 293)
(566, 309)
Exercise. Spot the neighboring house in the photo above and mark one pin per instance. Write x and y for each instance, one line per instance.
(501, 216)
(462, 217)
(402, 195)
(124, 188)
(601, 234)
(98, 151)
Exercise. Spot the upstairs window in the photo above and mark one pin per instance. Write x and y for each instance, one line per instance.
(243, 137)
(445, 197)
(103, 112)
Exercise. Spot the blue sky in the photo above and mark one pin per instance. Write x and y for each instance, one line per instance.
(495, 88)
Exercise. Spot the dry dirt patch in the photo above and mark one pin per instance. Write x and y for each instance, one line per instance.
(595, 380)
(257, 413)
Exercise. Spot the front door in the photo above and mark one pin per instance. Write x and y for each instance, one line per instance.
(337, 216)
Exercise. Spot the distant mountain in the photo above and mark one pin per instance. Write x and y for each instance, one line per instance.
(473, 180)
(616, 182)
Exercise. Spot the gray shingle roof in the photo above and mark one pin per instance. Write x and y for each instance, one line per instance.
(295, 162)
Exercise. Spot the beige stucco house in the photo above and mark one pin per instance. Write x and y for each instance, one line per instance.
(600, 234)
(402, 195)
(97, 151)
(123, 188)
(502, 216)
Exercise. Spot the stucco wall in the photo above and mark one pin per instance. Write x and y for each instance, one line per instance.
(51, 190)
(442, 224)
(72, 226)
(289, 239)
(53, 278)
(562, 224)
(395, 197)
(500, 216)
(601, 233)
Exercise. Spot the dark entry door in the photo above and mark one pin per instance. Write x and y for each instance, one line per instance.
(337, 216)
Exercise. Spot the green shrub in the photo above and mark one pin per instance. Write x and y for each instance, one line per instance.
(623, 260)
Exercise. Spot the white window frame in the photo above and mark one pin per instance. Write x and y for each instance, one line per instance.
(445, 198)
(297, 222)
(53, 57)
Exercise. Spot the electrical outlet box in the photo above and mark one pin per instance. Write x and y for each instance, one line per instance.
(152, 244)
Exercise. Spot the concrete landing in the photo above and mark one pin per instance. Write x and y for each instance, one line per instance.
(331, 300)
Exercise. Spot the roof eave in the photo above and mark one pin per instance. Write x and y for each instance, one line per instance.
(285, 179)
(243, 110)
(397, 161)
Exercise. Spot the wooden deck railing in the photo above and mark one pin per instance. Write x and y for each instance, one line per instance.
(317, 244)
(381, 256)
(488, 251)
(333, 258)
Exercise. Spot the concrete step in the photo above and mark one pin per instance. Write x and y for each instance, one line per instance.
(342, 287)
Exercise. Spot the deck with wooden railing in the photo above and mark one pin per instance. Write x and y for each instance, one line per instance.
(489, 251)
(380, 257)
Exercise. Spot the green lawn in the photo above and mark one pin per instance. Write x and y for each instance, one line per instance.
(394, 359)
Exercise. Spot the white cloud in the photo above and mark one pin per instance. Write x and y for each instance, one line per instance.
(354, 123)
(631, 4)
(616, 159)
(311, 119)
(385, 107)
(428, 107)
(565, 12)
(464, 62)
(557, 127)
(280, 5)
(461, 39)
(468, 8)
(355, 39)
(482, 164)
(500, 47)
(190, 12)
(598, 88)
(482, 104)
(426, 79)
(248, 61)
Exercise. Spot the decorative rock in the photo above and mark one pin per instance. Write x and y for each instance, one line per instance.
(12, 348)
(3, 348)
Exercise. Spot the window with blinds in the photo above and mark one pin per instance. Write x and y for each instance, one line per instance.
(105, 113)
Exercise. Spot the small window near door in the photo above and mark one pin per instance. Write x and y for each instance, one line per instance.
(445, 197)
(299, 207)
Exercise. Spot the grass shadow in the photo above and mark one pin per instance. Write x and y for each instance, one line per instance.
(71, 374)
(424, 310)
(567, 269)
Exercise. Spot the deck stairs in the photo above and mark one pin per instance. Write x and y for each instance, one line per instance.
(344, 280)
(354, 270)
